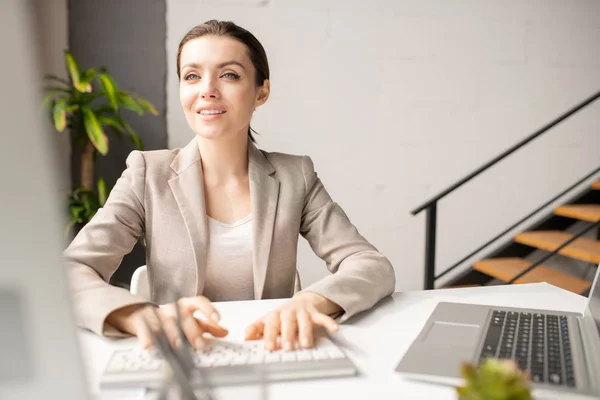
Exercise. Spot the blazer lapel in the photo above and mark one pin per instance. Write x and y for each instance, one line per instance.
(264, 195)
(188, 189)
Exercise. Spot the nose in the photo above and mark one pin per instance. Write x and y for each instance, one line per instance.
(208, 89)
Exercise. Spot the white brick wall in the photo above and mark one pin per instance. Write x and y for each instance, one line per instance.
(395, 100)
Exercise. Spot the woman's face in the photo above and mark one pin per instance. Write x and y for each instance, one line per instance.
(218, 89)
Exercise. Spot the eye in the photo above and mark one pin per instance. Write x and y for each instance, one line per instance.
(231, 75)
(191, 76)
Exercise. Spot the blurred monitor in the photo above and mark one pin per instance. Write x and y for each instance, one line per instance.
(38, 343)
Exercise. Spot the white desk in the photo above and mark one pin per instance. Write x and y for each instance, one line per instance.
(374, 340)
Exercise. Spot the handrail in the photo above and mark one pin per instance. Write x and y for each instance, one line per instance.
(506, 153)
(561, 194)
(431, 205)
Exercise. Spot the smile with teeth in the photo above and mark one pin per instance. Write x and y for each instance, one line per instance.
(211, 112)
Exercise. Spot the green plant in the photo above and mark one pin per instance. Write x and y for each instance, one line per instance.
(88, 104)
(494, 380)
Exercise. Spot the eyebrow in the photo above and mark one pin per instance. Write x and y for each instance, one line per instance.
(221, 65)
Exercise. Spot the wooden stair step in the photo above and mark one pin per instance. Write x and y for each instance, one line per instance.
(583, 249)
(507, 268)
(596, 185)
(584, 212)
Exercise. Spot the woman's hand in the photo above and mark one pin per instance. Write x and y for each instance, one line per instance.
(294, 321)
(137, 320)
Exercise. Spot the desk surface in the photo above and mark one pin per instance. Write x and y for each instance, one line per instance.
(375, 341)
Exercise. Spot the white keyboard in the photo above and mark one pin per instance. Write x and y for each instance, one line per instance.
(225, 363)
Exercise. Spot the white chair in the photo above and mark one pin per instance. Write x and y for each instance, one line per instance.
(139, 283)
(141, 287)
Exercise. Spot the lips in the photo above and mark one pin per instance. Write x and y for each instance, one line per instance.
(211, 110)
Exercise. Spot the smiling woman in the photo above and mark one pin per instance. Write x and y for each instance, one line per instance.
(239, 49)
(222, 218)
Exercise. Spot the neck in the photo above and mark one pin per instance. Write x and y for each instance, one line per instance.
(224, 159)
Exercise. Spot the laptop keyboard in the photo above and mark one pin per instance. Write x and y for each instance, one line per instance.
(538, 343)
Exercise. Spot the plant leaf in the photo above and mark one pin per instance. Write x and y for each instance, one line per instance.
(86, 79)
(146, 105)
(57, 79)
(110, 89)
(59, 113)
(94, 130)
(102, 192)
(50, 97)
(135, 139)
(104, 110)
(117, 124)
(72, 107)
(126, 101)
(88, 76)
(74, 72)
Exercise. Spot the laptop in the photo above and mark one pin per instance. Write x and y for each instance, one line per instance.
(560, 350)
(38, 342)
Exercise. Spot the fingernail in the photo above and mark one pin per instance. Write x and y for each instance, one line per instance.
(199, 343)
(305, 342)
(289, 346)
(215, 317)
(177, 343)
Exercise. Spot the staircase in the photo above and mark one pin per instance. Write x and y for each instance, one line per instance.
(508, 264)
(506, 269)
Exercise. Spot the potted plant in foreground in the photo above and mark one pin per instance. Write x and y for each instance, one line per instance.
(88, 105)
(494, 380)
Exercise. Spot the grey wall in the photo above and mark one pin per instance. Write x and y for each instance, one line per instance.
(128, 38)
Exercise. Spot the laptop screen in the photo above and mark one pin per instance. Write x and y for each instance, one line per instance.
(594, 299)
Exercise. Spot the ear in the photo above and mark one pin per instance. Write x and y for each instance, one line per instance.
(263, 94)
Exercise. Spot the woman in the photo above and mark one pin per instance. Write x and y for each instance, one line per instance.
(221, 219)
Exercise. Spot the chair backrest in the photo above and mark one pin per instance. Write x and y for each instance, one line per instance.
(139, 283)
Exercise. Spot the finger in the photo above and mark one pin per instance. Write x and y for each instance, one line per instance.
(202, 304)
(169, 325)
(193, 331)
(212, 328)
(144, 322)
(325, 321)
(255, 330)
(289, 326)
(143, 333)
(305, 329)
(271, 331)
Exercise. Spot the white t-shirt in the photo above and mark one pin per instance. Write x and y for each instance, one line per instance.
(229, 272)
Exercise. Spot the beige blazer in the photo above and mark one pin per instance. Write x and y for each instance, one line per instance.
(160, 195)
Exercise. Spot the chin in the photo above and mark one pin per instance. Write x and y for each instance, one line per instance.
(211, 133)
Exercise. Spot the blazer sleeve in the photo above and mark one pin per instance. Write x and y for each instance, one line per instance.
(361, 276)
(98, 249)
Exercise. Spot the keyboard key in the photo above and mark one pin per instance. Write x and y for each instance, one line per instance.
(271, 358)
(288, 356)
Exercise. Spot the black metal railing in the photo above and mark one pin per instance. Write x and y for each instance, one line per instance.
(430, 206)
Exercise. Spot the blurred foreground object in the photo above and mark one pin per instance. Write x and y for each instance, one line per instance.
(494, 380)
(38, 345)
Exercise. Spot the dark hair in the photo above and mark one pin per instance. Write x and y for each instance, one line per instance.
(256, 51)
